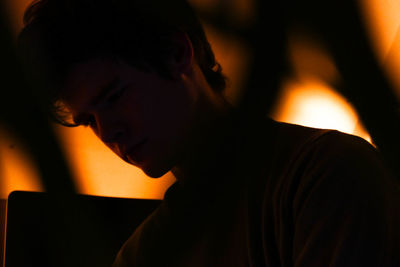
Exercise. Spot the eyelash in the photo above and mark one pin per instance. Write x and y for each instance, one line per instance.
(91, 122)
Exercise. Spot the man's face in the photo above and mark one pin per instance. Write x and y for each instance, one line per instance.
(141, 116)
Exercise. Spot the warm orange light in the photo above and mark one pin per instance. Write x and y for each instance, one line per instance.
(96, 169)
(17, 171)
(312, 103)
(382, 20)
(233, 55)
(383, 24)
(16, 9)
(99, 171)
(306, 97)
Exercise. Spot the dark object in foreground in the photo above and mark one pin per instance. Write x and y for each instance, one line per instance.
(31, 229)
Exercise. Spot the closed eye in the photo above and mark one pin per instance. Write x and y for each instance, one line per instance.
(115, 95)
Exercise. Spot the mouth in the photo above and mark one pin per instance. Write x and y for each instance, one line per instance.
(133, 154)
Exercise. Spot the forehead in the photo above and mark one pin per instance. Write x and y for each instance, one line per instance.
(85, 79)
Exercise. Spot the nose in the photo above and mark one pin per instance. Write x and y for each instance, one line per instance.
(108, 130)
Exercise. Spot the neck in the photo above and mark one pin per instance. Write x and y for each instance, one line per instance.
(210, 127)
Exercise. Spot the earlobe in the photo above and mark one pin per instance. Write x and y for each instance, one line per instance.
(180, 58)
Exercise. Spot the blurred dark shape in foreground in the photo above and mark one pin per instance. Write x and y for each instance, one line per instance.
(22, 114)
(30, 232)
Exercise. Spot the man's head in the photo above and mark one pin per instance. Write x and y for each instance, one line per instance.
(135, 71)
(63, 32)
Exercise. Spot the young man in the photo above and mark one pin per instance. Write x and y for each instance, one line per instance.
(249, 192)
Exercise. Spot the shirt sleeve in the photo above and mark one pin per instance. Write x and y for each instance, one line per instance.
(346, 207)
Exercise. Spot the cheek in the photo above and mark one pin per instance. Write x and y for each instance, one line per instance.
(159, 108)
(131, 108)
(171, 111)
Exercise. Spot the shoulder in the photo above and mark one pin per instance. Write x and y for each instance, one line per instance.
(331, 172)
(344, 156)
(316, 171)
(151, 243)
(333, 197)
(324, 147)
(144, 241)
(292, 155)
(314, 156)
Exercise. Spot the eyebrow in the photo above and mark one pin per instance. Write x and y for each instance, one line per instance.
(104, 91)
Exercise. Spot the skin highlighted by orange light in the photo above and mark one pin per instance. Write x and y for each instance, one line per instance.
(313, 103)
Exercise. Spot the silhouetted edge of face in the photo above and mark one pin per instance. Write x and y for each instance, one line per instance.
(142, 117)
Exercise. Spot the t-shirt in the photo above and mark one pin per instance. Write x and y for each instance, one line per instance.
(276, 194)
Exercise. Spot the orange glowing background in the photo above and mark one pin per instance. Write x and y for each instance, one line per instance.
(306, 99)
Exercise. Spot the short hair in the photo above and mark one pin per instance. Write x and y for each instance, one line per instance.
(60, 33)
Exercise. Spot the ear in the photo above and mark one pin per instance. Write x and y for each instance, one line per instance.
(180, 54)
